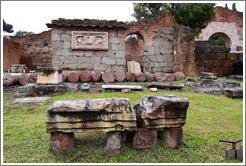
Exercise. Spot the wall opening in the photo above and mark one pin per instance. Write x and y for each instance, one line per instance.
(222, 38)
(134, 48)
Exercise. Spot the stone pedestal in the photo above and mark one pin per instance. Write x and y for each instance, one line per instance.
(230, 153)
(113, 144)
(239, 154)
(172, 137)
(49, 75)
(61, 143)
(145, 139)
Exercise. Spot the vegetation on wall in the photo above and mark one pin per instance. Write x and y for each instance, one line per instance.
(216, 37)
(23, 33)
(195, 15)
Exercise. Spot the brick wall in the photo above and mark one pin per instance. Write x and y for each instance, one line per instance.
(11, 53)
(215, 59)
(37, 49)
(184, 55)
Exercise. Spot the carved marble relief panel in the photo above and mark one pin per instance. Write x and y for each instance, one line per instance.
(84, 40)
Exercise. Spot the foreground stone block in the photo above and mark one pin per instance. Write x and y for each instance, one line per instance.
(172, 137)
(145, 139)
(49, 75)
(61, 143)
(161, 111)
(91, 115)
(163, 85)
(113, 144)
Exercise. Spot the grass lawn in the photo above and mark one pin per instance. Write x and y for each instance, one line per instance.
(209, 118)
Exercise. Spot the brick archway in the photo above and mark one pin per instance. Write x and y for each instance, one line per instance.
(135, 50)
(225, 37)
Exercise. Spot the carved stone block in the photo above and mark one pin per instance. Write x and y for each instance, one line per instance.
(85, 40)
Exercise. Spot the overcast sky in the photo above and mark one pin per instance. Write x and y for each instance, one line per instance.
(33, 16)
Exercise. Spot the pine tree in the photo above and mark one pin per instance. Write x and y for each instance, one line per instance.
(226, 6)
(234, 7)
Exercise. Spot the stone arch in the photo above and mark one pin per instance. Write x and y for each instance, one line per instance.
(135, 50)
(225, 37)
(226, 29)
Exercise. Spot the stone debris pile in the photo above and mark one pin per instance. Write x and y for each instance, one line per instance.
(217, 87)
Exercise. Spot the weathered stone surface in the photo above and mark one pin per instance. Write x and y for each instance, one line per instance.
(49, 75)
(26, 78)
(179, 76)
(140, 77)
(84, 40)
(120, 87)
(160, 76)
(172, 137)
(149, 77)
(126, 90)
(32, 99)
(11, 78)
(120, 75)
(108, 77)
(236, 77)
(96, 76)
(239, 154)
(230, 153)
(133, 67)
(153, 89)
(169, 77)
(91, 115)
(161, 111)
(62, 143)
(71, 87)
(34, 89)
(113, 144)
(163, 85)
(234, 92)
(73, 77)
(85, 76)
(206, 75)
(217, 87)
(145, 138)
(130, 77)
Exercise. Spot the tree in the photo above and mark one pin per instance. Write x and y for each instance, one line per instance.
(219, 39)
(195, 15)
(23, 33)
(226, 6)
(7, 27)
(234, 7)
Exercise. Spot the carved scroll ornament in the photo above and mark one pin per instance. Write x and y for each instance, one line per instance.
(84, 40)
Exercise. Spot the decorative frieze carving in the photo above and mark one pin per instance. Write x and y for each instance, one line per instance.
(84, 40)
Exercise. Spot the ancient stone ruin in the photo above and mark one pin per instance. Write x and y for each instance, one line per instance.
(114, 115)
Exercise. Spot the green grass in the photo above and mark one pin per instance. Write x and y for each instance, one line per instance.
(209, 118)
